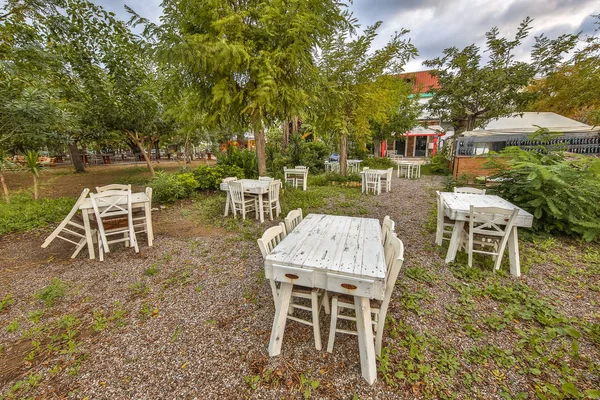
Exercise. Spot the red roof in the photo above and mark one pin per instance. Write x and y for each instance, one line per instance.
(422, 81)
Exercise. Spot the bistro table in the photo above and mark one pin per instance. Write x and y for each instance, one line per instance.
(381, 172)
(336, 253)
(353, 165)
(457, 207)
(296, 172)
(252, 187)
(138, 200)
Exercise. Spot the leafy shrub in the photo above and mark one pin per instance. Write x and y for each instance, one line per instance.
(378, 163)
(562, 194)
(168, 188)
(209, 177)
(440, 164)
(49, 294)
(314, 155)
(23, 213)
(244, 159)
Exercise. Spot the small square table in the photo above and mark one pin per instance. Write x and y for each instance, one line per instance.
(336, 253)
(251, 186)
(457, 207)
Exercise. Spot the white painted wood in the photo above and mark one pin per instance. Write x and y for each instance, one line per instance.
(292, 220)
(386, 180)
(513, 253)
(466, 189)
(295, 276)
(365, 339)
(296, 176)
(336, 249)
(272, 200)
(350, 285)
(280, 319)
(445, 225)
(224, 186)
(457, 207)
(371, 180)
(243, 204)
(114, 186)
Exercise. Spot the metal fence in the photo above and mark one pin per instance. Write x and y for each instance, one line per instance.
(476, 145)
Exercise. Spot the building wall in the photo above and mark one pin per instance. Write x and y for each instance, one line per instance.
(410, 146)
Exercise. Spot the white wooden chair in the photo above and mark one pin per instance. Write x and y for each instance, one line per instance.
(265, 178)
(372, 182)
(292, 220)
(469, 190)
(290, 178)
(228, 201)
(386, 181)
(300, 167)
(488, 232)
(387, 227)
(114, 186)
(318, 298)
(112, 209)
(300, 178)
(239, 203)
(70, 227)
(445, 225)
(394, 252)
(272, 201)
(140, 219)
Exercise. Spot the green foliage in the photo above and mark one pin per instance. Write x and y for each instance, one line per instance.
(440, 164)
(6, 302)
(244, 159)
(378, 163)
(168, 188)
(55, 290)
(562, 194)
(209, 178)
(334, 178)
(313, 155)
(23, 213)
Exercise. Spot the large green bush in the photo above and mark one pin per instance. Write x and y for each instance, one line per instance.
(244, 159)
(378, 163)
(314, 155)
(440, 164)
(210, 177)
(167, 188)
(563, 194)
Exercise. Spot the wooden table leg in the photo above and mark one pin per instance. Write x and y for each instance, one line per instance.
(455, 241)
(260, 205)
(227, 205)
(365, 339)
(88, 233)
(149, 229)
(363, 183)
(281, 310)
(513, 253)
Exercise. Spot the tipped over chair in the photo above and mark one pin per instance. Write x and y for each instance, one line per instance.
(292, 220)
(469, 190)
(445, 225)
(114, 186)
(112, 209)
(394, 255)
(318, 298)
(488, 231)
(71, 229)
(241, 203)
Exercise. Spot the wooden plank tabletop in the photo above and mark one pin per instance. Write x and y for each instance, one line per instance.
(137, 199)
(378, 171)
(456, 206)
(330, 243)
(250, 185)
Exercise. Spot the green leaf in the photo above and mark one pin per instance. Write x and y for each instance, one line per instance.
(574, 333)
(593, 393)
(570, 389)
(535, 371)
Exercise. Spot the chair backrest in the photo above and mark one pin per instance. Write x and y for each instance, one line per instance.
(387, 226)
(111, 203)
(68, 218)
(390, 172)
(274, 187)
(265, 178)
(114, 186)
(300, 167)
(271, 238)
(149, 193)
(395, 259)
(469, 190)
(491, 221)
(229, 179)
(365, 168)
(292, 220)
(236, 190)
(440, 208)
(372, 177)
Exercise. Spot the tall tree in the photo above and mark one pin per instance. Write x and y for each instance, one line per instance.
(245, 60)
(572, 89)
(359, 86)
(471, 93)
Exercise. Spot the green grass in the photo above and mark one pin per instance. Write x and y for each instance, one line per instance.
(55, 290)
(23, 213)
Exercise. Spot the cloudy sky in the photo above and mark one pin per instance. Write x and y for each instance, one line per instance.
(437, 24)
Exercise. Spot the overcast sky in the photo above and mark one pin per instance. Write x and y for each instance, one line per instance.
(437, 24)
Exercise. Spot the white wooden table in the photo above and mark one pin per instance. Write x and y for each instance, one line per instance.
(297, 171)
(251, 186)
(138, 200)
(457, 207)
(336, 253)
(380, 172)
(412, 169)
(353, 165)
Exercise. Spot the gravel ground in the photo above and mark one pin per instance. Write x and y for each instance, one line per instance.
(191, 317)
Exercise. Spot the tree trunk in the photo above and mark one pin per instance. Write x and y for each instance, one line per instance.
(286, 135)
(377, 147)
(259, 137)
(157, 151)
(188, 149)
(35, 190)
(4, 188)
(135, 136)
(76, 157)
(343, 153)
(294, 125)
